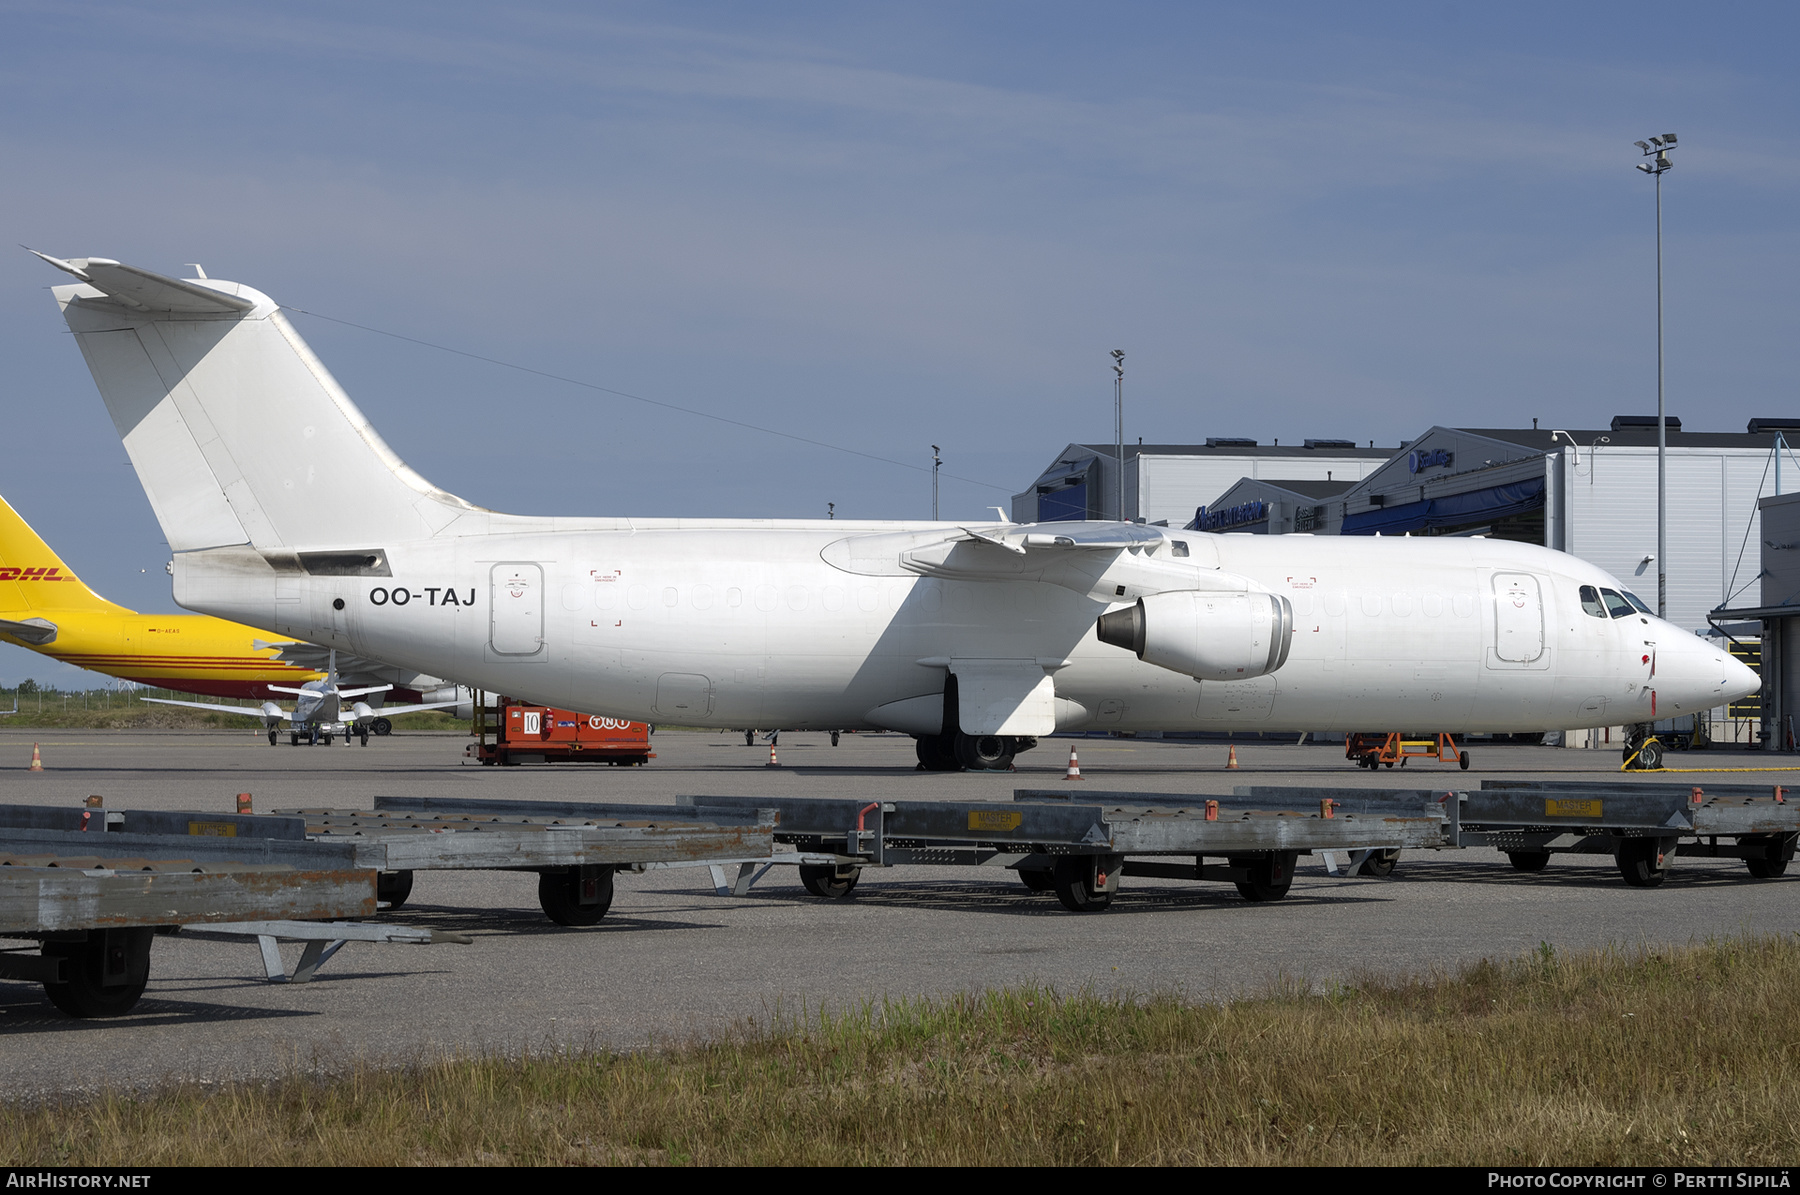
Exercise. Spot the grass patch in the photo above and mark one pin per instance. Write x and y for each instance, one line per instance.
(1647, 1057)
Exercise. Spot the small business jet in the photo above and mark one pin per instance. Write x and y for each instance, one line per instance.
(973, 638)
(318, 711)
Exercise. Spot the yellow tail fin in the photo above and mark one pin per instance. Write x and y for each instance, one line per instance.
(32, 577)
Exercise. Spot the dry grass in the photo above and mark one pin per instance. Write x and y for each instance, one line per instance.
(1612, 1058)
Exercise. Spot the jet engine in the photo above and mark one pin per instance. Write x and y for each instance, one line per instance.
(1208, 636)
(465, 699)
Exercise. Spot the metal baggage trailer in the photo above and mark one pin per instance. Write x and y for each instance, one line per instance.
(1078, 849)
(575, 847)
(94, 898)
(1644, 825)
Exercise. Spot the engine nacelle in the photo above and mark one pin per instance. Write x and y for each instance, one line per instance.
(1206, 635)
(465, 699)
(272, 712)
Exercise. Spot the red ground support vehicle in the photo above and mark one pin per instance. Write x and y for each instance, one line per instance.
(1372, 750)
(545, 734)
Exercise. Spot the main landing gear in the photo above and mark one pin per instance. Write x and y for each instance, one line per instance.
(961, 752)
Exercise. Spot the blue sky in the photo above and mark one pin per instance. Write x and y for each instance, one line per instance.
(888, 226)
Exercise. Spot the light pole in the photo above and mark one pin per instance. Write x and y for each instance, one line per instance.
(936, 464)
(1657, 150)
(1118, 356)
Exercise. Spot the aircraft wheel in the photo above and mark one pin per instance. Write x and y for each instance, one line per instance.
(294, 739)
(1528, 860)
(826, 881)
(327, 740)
(364, 735)
(1270, 875)
(1463, 761)
(1779, 850)
(984, 752)
(834, 737)
(1381, 863)
(273, 735)
(1644, 862)
(102, 976)
(576, 895)
(935, 755)
(393, 887)
(1650, 756)
(1038, 880)
(1080, 884)
(381, 727)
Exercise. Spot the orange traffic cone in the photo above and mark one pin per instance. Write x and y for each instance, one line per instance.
(243, 802)
(1074, 765)
(1231, 761)
(772, 762)
(37, 761)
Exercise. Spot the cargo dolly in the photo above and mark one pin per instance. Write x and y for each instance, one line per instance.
(92, 887)
(574, 847)
(1081, 849)
(1645, 826)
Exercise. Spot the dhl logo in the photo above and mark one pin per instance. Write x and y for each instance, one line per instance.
(31, 574)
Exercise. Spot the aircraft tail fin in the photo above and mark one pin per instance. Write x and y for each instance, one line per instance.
(32, 577)
(238, 432)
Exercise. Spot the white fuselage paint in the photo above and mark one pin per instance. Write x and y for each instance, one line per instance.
(739, 625)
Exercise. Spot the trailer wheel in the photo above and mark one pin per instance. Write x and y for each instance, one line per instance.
(1380, 864)
(1038, 879)
(1073, 878)
(828, 883)
(1528, 860)
(576, 895)
(1643, 862)
(393, 887)
(1270, 875)
(102, 976)
(1779, 851)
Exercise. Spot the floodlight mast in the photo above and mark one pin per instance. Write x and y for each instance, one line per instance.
(1657, 150)
(1118, 356)
(937, 463)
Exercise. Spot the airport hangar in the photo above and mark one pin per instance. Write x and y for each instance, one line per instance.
(1586, 491)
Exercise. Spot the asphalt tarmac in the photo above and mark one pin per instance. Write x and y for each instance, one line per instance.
(673, 961)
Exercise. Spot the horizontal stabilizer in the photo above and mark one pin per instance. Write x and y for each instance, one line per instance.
(35, 631)
(143, 291)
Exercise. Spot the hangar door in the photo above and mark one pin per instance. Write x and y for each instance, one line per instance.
(516, 626)
(1518, 618)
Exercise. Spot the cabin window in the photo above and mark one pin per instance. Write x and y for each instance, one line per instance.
(1591, 603)
(1637, 601)
(1617, 606)
(1178, 547)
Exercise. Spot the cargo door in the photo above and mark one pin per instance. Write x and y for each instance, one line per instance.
(1518, 618)
(516, 626)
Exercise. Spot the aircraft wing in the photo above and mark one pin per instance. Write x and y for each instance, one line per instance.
(35, 631)
(388, 711)
(242, 711)
(352, 669)
(1105, 562)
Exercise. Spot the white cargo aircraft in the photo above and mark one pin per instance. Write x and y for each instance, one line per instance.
(973, 638)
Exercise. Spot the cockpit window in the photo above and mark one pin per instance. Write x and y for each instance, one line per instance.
(1178, 547)
(1591, 603)
(1637, 601)
(1617, 606)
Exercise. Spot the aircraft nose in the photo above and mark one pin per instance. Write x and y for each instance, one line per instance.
(1740, 679)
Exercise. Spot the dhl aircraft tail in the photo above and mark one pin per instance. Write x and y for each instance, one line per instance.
(33, 578)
